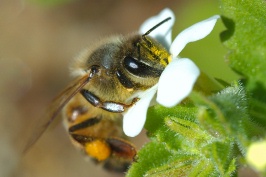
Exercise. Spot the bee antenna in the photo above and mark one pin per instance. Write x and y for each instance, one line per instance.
(156, 26)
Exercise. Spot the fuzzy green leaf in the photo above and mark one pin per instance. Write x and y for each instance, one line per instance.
(228, 115)
(212, 133)
(155, 123)
(152, 156)
(245, 38)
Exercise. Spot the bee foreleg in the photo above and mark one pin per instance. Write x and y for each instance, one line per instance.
(107, 105)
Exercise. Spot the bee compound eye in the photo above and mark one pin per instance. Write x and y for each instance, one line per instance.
(139, 68)
(132, 65)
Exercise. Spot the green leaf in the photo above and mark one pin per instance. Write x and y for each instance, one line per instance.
(152, 156)
(245, 38)
(227, 115)
(179, 164)
(221, 156)
(194, 136)
(155, 123)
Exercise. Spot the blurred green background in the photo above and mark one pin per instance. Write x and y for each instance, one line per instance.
(38, 40)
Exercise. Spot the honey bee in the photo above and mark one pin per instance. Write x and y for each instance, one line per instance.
(108, 80)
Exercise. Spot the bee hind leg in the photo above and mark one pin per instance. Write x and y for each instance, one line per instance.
(121, 148)
(115, 153)
(123, 154)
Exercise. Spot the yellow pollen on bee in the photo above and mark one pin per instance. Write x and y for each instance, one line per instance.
(157, 52)
(166, 59)
(98, 149)
(163, 55)
(170, 58)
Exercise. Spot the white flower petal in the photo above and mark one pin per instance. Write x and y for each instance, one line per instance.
(164, 33)
(193, 33)
(177, 81)
(134, 119)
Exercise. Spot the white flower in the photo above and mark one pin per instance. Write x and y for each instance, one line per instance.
(177, 80)
(256, 156)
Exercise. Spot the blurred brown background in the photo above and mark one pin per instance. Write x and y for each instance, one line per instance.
(37, 43)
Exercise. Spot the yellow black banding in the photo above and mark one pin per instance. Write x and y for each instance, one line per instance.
(154, 51)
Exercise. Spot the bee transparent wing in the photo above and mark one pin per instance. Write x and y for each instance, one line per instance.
(55, 108)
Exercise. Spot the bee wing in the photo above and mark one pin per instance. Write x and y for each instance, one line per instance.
(55, 108)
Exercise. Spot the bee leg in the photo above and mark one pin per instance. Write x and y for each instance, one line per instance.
(123, 154)
(118, 147)
(82, 139)
(94, 147)
(117, 154)
(107, 105)
(121, 148)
